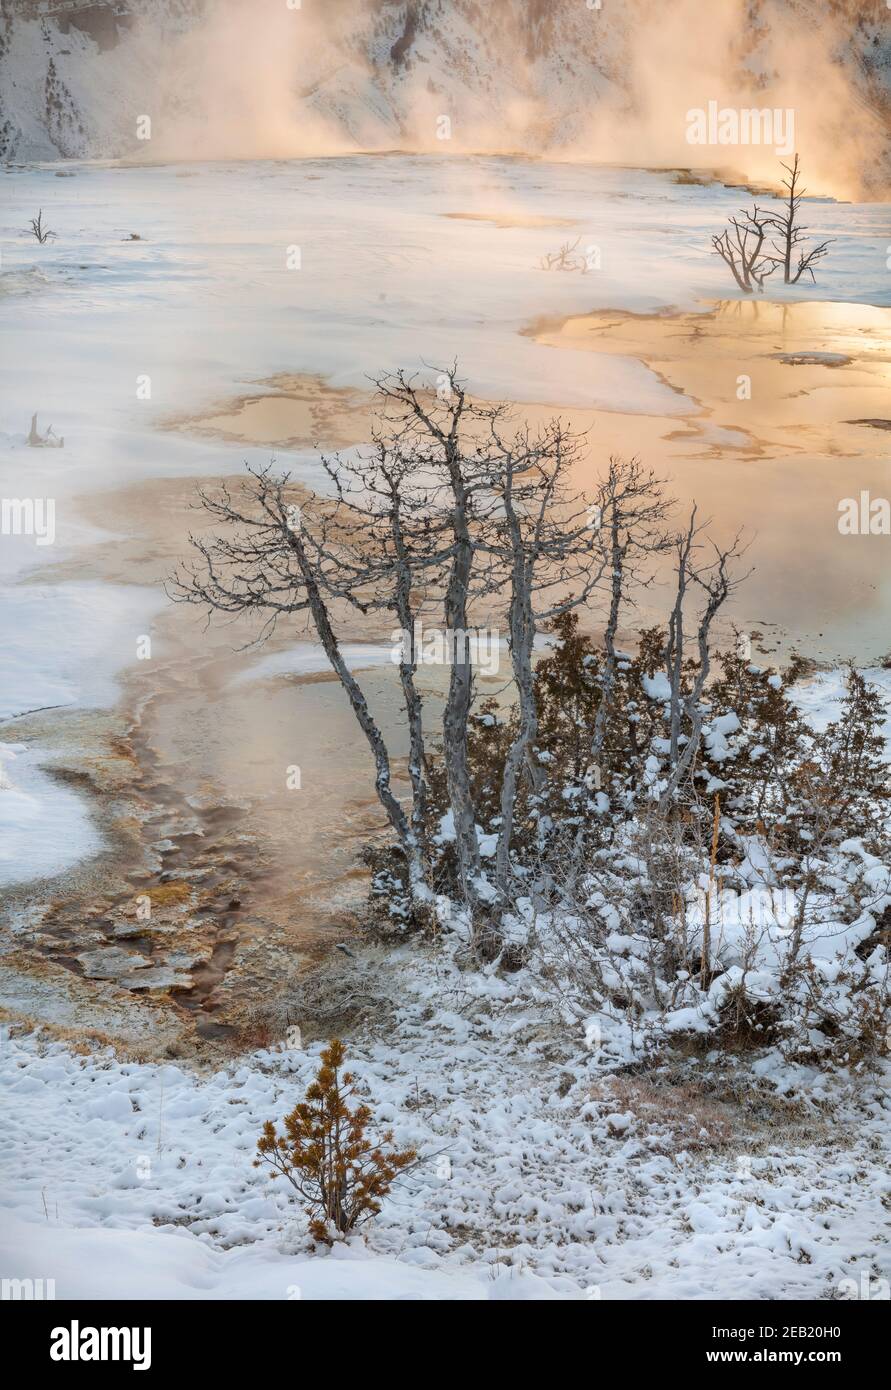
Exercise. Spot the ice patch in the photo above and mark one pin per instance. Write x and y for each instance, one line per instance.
(44, 826)
(64, 644)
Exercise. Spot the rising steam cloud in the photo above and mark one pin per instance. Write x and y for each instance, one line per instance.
(684, 55)
(558, 79)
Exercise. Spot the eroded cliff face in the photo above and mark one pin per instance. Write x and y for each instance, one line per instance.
(223, 79)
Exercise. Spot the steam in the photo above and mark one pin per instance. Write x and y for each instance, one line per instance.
(287, 78)
(234, 86)
(685, 55)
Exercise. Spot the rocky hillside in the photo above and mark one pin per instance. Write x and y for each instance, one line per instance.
(222, 79)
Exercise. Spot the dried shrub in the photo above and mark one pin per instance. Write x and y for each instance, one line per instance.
(327, 1156)
(339, 995)
(671, 1117)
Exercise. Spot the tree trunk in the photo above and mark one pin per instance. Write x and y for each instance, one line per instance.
(522, 639)
(364, 717)
(460, 692)
(609, 640)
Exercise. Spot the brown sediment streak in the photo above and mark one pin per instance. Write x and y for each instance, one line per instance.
(293, 411)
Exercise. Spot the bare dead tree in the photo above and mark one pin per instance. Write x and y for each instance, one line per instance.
(565, 258)
(741, 247)
(444, 434)
(50, 440)
(627, 532)
(422, 505)
(674, 651)
(269, 564)
(38, 230)
(544, 539)
(447, 512)
(790, 236)
(715, 580)
(390, 553)
(630, 511)
(475, 510)
(452, 509)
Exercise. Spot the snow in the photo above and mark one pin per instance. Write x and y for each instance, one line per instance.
(44, 827)
(173, 1265)
(657, 686)
(820, 697)
(64, 644)
(308, 658)
(135, 1179)
(716, 733)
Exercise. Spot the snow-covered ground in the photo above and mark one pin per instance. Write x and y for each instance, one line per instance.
(540, 1178)
(820, 697)
(547, 1170)
(44, 827)
(51, 635)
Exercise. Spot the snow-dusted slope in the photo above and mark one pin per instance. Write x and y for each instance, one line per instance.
(220, 79)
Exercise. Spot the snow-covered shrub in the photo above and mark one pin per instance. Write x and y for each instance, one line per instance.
(749, 910)
(327, 1156)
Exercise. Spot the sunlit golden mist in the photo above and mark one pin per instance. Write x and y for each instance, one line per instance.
(265, 80)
